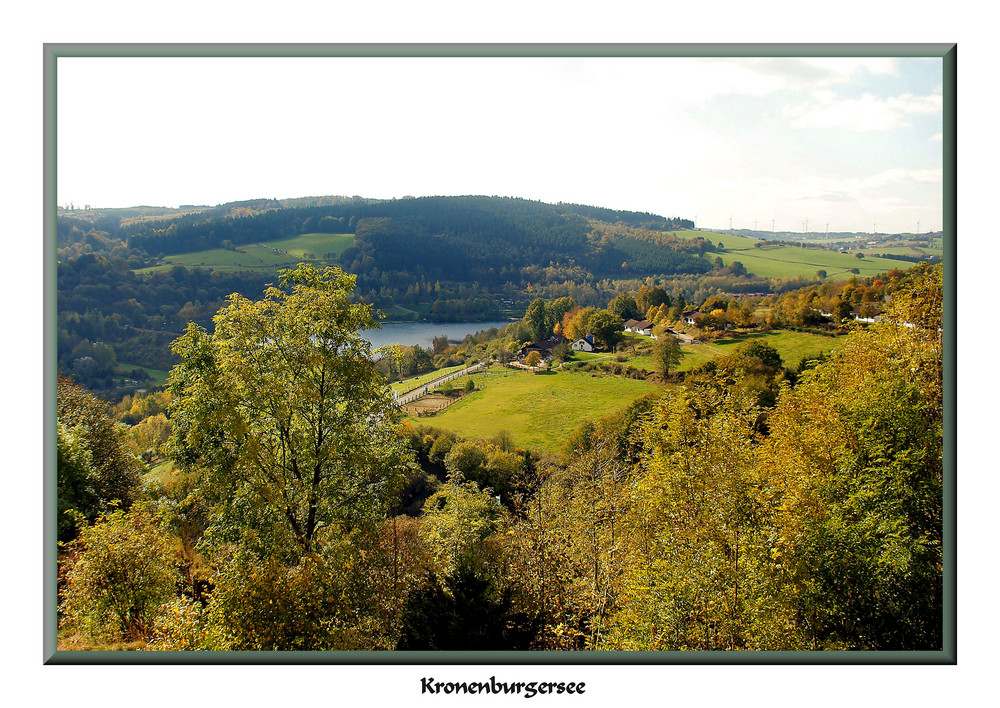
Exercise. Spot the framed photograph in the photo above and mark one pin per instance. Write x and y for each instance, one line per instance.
(500, 354)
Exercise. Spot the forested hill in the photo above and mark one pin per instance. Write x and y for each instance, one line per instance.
(471, 237)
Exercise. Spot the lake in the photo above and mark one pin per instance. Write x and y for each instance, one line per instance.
(423, 333)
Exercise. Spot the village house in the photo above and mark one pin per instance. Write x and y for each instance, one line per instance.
(639, 327)
(870, 319)
(583, 344)
(544, 348)
(690, 316)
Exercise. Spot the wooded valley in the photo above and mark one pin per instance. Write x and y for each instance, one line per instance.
(663, 450)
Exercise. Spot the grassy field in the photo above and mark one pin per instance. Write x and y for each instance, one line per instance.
(161, 472)
(903, 250)
(159, 375)
(790, 261)
(269, 256)
(792, 346)
(417, 381)
(540, 411)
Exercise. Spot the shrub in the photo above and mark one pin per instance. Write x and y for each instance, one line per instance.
(120, 575)
(181, 627)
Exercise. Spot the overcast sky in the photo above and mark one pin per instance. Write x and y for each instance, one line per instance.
(850, 143)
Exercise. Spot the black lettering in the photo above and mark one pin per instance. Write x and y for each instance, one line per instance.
(426, 685)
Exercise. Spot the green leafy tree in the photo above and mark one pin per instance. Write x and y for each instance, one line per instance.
(94, 465)
(284, 413)
(456, 519)
(470, 611)
(624, 306)
(607, 327)
(556, 310)
(536, 319)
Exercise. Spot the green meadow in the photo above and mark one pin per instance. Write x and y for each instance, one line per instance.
(792, 261)
(269, 256)
(538, 410)
(541, 410)
(792, 346)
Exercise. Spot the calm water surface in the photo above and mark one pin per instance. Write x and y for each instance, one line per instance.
(423, 333)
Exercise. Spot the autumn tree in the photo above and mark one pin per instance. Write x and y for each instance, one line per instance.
(576, 323)
(666, 353)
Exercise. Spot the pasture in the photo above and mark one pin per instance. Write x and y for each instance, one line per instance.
(539, 410)
(792, 346)
(791, 261)
(270, 256)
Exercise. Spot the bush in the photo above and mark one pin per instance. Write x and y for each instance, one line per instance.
(120, 575)
(181, 627)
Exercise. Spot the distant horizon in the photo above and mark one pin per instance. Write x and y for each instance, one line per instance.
(853, 141)
(718, 229)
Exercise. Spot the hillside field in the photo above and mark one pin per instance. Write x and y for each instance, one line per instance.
(791, 261)
(540, 411)
(269, 256)
(792, 346)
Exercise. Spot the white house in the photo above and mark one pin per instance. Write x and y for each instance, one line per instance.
(583, 344)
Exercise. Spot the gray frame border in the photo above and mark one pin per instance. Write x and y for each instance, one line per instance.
(946, 51)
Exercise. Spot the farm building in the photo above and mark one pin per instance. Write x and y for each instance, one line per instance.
(690, 316)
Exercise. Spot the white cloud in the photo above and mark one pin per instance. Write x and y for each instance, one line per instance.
(908, 103)
(840, 69)
(864, 114)
(898, 176)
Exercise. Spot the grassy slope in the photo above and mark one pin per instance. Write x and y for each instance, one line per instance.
(273, 255)
(792, 346)
(159, 375)
(790, 261)
(540, 411)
